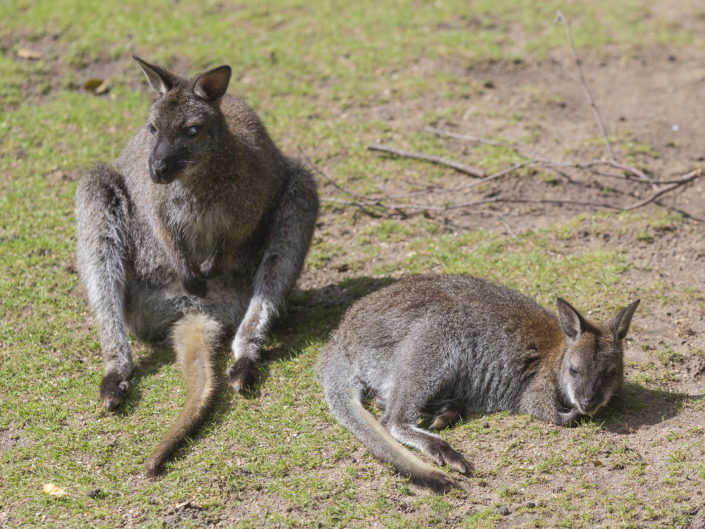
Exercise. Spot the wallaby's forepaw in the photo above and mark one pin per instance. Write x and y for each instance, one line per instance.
(113, 390)
(242, 374)
(194, 284)
(441, 453)
(210, 267)
(445, 417)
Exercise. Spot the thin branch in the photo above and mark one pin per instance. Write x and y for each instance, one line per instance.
(583, 85)
(665, 189)
(464, 187)
(461, 168)
(328, 179)
(637, 175)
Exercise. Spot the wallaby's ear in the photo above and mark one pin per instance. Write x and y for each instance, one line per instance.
(160, 80)
(572, 323)
(212, 84)
(621, 321)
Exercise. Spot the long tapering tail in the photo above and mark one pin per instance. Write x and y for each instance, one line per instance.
(194, 337)
(344, 401)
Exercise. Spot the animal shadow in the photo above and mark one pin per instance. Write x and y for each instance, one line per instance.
(637, 406)
(311, 316)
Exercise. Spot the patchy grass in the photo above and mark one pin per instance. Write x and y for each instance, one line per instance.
(276, 457)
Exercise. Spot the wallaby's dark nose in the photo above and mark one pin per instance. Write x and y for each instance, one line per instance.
(158, 168)
(590, 405)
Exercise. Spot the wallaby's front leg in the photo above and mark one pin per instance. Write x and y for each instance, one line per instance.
(287, 244)
(102, 206)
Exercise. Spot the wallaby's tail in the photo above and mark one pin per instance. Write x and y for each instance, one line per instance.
(344, 400)
(194, 337)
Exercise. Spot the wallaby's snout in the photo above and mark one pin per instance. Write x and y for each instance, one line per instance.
(166, 163)
(589, 405)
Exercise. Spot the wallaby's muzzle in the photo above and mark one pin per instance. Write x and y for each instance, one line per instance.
(164, 170)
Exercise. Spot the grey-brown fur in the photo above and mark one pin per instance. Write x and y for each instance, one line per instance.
(442, 345)
(200, 214)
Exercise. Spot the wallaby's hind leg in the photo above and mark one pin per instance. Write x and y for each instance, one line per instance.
(288, 242)
(102, 206)
(403, 409)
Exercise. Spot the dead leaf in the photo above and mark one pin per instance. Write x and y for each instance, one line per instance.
(598, 463)
(24, 53)
(53, 490)
(92, 84)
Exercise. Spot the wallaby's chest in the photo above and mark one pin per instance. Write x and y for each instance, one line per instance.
(202, 223)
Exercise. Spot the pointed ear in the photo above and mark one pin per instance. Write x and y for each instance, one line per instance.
(572, 323)
(621, 321)
(212, 84)
(160, 80)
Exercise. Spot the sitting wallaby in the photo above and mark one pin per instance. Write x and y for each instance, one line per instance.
(443, 345)
(196, 231)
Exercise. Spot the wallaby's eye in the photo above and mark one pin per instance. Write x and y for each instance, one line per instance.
(152, 129)
(192, 131)
(573, 372)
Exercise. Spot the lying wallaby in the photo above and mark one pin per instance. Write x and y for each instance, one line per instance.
(197, 230)
(446, 344)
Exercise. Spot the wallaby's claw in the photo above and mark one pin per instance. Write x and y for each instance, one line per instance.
(242, 374)
(113, 390)
(443, 454)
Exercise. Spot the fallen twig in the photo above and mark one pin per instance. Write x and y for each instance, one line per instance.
(583, 84)
(611, 168)
(460, 167)
(665, 189)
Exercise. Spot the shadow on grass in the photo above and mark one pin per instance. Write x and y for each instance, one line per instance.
(311, 316)
(637, 406)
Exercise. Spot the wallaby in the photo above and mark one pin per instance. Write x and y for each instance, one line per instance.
(196, 231)
(443, 345)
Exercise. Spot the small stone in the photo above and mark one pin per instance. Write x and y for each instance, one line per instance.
(504, 510)
(93, 493)
(529, 505)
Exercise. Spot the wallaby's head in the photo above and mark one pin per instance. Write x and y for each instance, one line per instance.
(592, 368)
(185, 121)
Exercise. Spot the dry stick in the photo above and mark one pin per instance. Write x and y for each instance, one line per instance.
(450, 207)
(461, 168)
(439, 190)
(583, 85)
(665, 189)
(539, 159)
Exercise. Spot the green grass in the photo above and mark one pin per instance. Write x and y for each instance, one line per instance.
(313, 71)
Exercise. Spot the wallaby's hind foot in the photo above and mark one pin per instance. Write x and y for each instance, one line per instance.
(113, 390)
(442, 453)
(242, 374)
